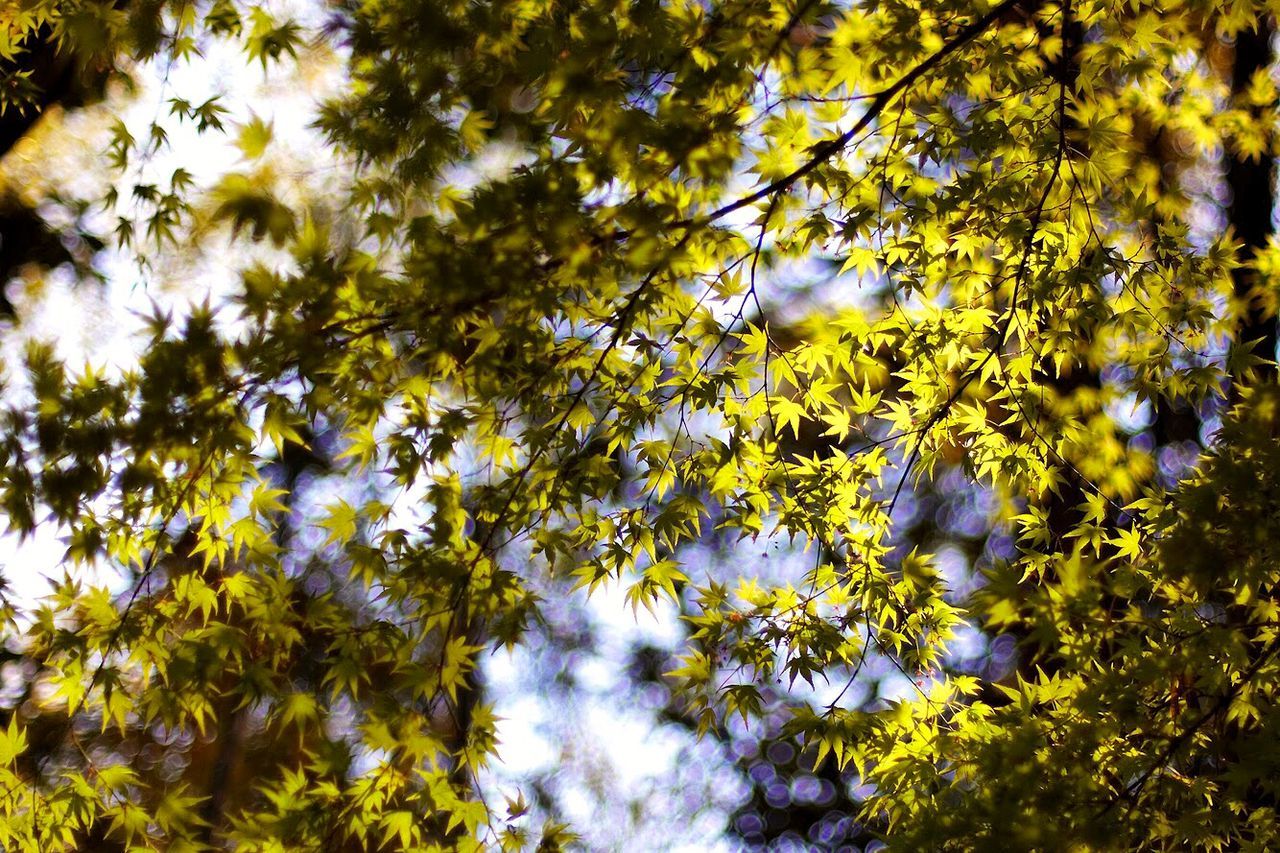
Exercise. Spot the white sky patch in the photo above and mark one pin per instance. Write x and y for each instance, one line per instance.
(103, 325)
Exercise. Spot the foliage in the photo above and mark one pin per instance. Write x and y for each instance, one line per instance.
(485, 384)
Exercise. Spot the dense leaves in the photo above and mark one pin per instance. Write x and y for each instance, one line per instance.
(615, 280)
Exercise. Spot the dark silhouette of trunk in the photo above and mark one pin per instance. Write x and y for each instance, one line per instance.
(25, 237)
(228, 754)
(229, 747)
(1249, 214)
(1175, 421)
(1062, 507)
(1252, 189)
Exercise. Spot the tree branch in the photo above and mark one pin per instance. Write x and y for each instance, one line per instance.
(829, 149)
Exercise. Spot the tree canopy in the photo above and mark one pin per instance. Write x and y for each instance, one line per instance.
(606, 284)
